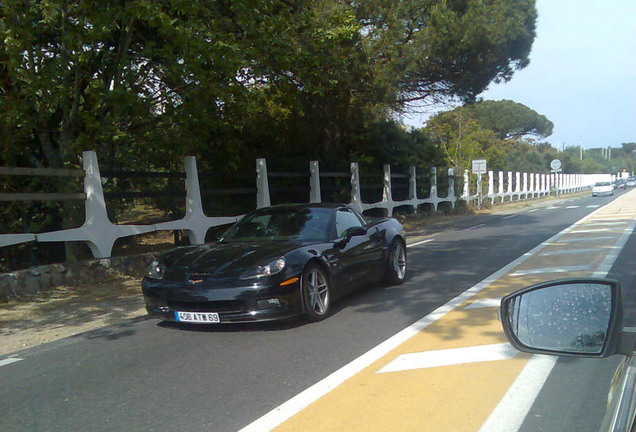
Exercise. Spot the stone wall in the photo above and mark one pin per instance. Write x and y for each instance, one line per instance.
(25, 284)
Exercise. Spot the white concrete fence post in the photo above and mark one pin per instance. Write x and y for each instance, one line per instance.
(97, 231)
(195, 222)
(262, 184)
(451, 186)
(413, 187)
(314, 182)
(531, 184)
(387, 197)
(433, 195)
(356, 200)
(509, 190)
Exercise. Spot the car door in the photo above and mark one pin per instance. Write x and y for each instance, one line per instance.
(358, 255)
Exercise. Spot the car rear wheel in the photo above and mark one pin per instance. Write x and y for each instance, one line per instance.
(316, 292)
(396, 267)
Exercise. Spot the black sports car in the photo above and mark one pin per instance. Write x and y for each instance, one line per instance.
(276, 263)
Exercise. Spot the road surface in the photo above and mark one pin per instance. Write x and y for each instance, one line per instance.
(428, 355)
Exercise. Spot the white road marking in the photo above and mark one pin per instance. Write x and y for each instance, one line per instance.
(533, 210)
(553, 207)
(484, 303)
(9, 360)
(570, 251)
(606, 223)
(607, 263)
(450, 357)
(576, 240)
(512, 410)
(511, 216)
(592, 230)
(572, 207)
(420, 243)
(550, 270)
(474, 227)
(593, 206)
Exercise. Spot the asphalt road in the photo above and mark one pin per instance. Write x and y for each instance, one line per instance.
(151, 376)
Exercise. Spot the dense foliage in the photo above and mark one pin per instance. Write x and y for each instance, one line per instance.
(145, 81)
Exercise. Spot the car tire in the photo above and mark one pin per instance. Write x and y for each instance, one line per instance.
(316, 292)
(396, 264)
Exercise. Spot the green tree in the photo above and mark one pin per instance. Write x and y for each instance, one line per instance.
(629, 148)
(423, 50)
(457, 136)
(510, 120)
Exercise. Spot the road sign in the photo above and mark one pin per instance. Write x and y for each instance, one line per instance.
(479, 166)
(555, 164)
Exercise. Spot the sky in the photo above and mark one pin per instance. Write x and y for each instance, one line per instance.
(582, 73)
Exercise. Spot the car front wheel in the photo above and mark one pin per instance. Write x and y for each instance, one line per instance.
(316, 292)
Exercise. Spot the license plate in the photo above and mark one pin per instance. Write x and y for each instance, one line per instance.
(198, 317)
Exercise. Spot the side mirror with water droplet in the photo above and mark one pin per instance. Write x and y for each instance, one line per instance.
(568, 317)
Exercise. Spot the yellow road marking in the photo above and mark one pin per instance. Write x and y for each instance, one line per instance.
(459, 397)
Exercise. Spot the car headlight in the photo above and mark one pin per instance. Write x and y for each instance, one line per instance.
(156, 270)
(272, 268)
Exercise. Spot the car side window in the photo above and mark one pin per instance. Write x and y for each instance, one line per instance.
(346, 219)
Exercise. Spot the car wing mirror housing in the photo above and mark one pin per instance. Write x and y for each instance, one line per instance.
(351, 232)
(568, 317)
(356, 231)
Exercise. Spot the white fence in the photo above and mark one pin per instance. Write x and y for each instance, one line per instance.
(100, 233)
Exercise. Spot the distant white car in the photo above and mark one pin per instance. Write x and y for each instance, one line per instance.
(602, 188)
(631, 182)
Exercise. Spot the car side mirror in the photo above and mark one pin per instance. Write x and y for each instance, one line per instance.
(356, 231)
(351, 232)
(568, 317)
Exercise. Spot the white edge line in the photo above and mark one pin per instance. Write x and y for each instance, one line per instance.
(611, 257)
(9, 360)
(419, 243)
(474, 227)
(513, 408)
(303, 399)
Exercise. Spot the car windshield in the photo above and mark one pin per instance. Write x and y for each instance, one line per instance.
(306, 224)
(603, 184)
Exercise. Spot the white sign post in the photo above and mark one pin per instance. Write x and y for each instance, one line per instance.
(479, 168)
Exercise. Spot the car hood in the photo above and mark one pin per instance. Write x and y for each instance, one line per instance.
(223, 260)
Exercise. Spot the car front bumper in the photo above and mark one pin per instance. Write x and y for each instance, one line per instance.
(604, 192)
(256, 303)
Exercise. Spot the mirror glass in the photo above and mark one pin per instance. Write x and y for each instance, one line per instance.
(572, 318)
